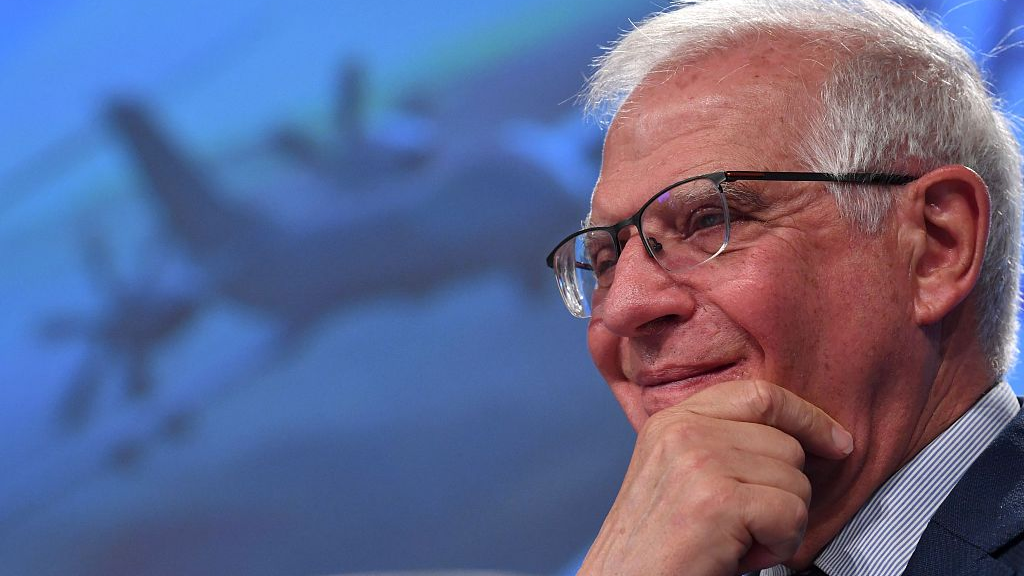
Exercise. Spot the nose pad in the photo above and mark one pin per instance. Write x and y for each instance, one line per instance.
(630, 237)
(641, 293)
(633, 249)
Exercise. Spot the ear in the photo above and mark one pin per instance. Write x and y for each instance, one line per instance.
(949, 206)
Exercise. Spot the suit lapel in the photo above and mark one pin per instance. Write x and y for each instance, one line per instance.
(983, 513)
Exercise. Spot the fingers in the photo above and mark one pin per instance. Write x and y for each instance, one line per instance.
(761, 402)
(775, 519)
(743, 462)
(717, 483)
(760, 470)
(748, 437)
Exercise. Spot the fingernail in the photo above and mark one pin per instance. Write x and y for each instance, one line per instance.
(842, 439)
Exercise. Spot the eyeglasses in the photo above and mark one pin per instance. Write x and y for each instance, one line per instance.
(684, 225)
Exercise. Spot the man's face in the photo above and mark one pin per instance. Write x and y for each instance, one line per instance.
(808, 303)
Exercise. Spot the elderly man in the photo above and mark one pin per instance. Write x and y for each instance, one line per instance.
(800, 269)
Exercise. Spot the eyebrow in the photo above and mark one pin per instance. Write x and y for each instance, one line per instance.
(740, 193)
(743, 194)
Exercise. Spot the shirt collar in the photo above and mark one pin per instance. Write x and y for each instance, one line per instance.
(881, 537)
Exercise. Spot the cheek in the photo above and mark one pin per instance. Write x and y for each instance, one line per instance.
(780, 304)
(605, 350)
(603, 346)
(823, 323)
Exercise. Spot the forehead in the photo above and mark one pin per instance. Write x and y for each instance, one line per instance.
(743, 109)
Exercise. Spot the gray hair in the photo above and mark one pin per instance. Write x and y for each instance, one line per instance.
(903, 97)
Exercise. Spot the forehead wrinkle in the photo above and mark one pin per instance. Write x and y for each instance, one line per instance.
(796, 60)
(654, 128)
(736, 102)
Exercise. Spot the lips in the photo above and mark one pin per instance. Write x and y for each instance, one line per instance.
(665, 387)
(650, 378)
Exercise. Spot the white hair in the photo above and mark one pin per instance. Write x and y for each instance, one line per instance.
(903, 96)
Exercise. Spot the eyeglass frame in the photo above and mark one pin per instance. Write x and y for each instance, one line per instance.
(719, 178)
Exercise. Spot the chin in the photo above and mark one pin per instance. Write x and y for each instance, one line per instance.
(825, 476)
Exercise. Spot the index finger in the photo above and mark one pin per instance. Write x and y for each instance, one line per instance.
(762, 402)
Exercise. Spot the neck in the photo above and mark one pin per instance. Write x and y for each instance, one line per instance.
(959, 375)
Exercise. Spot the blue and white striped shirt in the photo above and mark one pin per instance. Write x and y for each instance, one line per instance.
(880, 539)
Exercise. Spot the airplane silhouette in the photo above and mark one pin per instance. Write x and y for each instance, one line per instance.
(139, 315)
(492, 211)
(353, 155)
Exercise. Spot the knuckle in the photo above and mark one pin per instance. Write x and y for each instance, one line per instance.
(798, 514)
(665, 419)
(679, 440)
(793, 451)
(712, 496)
(686, 464)
(796, 522)
(656, 428)
(805, 490)
(698, 458)
(672, 428)
(789, 513)
(762, 398)
(687, 429)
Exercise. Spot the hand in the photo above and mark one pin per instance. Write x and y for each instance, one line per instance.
(715, 485)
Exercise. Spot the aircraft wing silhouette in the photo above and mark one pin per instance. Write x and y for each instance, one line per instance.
(491, 211)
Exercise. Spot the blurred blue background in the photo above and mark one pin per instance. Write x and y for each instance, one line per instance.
(275, 300)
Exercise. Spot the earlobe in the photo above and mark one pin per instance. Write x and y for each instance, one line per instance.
(953, 211)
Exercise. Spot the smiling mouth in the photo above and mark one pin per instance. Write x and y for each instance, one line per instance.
(687, 377)
(670, 389)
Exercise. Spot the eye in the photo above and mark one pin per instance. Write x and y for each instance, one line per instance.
(703, 219)
(708, 219)
(603, 265)
(599, 256)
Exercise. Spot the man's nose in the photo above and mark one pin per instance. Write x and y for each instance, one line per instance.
(643, 295)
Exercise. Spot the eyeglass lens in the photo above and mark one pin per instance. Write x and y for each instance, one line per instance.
(683, 226)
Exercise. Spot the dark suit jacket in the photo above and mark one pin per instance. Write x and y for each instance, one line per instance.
(979, 528)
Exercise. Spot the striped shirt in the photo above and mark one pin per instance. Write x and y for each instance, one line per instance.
(880, 539)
